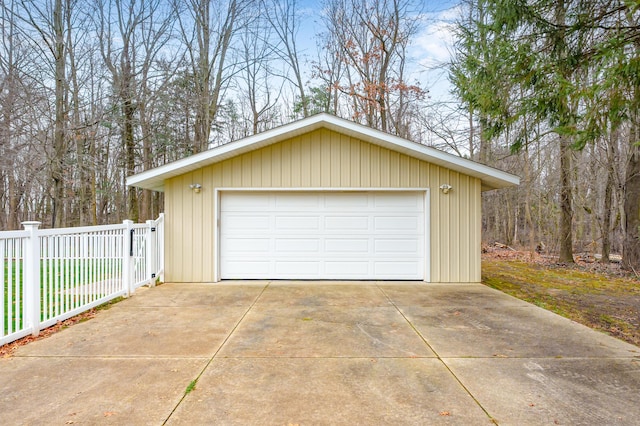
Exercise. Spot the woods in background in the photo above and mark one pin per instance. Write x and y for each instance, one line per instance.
(553, 88)
(94, 91)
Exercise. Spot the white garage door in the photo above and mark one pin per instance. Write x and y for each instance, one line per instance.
(322, 235)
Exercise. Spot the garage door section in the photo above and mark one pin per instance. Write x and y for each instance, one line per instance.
(322, 235)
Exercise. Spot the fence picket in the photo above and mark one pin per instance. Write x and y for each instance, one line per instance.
(2, 282)
(10, 282)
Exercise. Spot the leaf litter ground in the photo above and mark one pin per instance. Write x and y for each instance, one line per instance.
(600, 296)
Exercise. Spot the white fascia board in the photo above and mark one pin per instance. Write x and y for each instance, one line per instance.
(491, 178)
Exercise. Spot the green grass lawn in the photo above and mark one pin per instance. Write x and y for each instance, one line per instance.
(607, 303)
(75, 271)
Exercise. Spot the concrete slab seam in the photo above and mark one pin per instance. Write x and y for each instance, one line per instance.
(195, 381)
(491, 418)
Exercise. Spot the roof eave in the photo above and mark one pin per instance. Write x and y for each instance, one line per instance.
(491, 178)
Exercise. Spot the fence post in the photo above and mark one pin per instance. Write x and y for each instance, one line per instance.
(150, 251)
(31, 276)
(127, 264)
(160, 245)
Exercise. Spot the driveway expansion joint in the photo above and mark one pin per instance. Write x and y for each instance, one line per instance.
(457, 379)
(193, 383)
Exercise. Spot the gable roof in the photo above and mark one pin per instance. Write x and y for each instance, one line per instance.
(491, 178)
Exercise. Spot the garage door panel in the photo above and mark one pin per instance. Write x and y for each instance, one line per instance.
(346, 245)
(297, 202)
(346, 201)
(243, 204)
(322, 235)
(348, 269)
(252, 269)
(295, 245)
(292, 269)
(245, 222)
(297, 222)
(247, 245)
(346, 222)
(397, 268)
(396, 246)
(393, 223)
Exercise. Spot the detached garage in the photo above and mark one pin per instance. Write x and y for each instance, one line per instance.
(323, 198)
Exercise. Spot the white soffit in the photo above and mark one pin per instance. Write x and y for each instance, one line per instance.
(491, 178)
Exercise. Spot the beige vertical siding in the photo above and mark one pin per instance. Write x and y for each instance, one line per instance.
(323, 159)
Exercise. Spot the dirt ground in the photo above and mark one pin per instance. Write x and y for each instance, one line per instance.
(7, 350)
(601, 296)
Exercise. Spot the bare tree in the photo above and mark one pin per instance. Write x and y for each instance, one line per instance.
(131, 34)
(154, 34)
(48, 21)
(208, 33)
(284, 18)
(329, 69)
(258, 86)
(9, 102)
(373, 35)
(118, 49)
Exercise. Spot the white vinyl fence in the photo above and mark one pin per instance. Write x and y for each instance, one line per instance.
(49, 275)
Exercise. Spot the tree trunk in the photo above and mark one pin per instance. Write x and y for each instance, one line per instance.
(608, 197)
(13, 222)
(606, 221)
(527, 194)
(82, 200)
(57, 162)
(566, 208)
(130, 155)
(203, 77)
(631, 246)
(147, 150)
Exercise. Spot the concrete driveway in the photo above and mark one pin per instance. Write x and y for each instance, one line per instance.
(290, 353)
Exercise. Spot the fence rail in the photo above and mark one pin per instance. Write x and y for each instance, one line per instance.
(49, 275)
